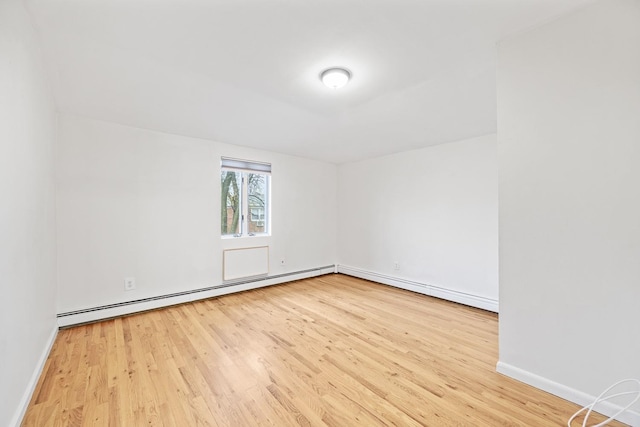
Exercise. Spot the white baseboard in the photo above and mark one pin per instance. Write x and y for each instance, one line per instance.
(130, 307)
(583, 399)
(33, 381)
(423, 288)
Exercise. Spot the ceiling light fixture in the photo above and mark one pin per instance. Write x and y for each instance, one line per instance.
(335, 78)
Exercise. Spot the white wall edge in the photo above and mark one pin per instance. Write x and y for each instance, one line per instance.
(422, 288)
(110, 312)
(583, 399)
(18, 416)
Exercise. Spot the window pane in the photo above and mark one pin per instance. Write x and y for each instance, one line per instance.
(231, 183)
(257, 190)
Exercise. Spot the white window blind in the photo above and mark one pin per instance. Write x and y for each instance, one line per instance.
(245, 165)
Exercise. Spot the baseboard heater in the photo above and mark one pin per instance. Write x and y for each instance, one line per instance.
(127, 307)
(460, 297)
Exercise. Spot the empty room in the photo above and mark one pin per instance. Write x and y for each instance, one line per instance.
(306, 213)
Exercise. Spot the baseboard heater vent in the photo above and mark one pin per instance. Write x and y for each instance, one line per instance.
(273, 276)
(225, 284)
(423, 288)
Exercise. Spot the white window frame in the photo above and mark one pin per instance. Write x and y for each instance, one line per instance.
(246, 167)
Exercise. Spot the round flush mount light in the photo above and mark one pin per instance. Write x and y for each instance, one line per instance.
(335, 78)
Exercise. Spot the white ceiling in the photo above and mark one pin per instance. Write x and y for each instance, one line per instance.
(246, 72)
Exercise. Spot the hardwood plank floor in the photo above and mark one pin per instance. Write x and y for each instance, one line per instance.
(327, 351)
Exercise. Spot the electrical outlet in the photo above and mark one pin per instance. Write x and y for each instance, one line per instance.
(396, 265)
(282, 262)
(129, 283)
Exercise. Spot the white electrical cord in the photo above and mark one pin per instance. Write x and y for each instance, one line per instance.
(603, 398)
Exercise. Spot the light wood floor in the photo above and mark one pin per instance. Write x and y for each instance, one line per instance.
(332, 350)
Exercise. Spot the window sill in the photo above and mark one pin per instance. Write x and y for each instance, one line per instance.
(244, 236)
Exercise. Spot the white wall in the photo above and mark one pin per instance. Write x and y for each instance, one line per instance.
(27, 231)
(433, 210)
(569, 156)
(145, 204)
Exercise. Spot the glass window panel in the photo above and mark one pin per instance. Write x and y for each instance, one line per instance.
(231, 214)
(257, 191)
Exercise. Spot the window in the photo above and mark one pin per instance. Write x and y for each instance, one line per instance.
(245, 197)
(256, 214)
